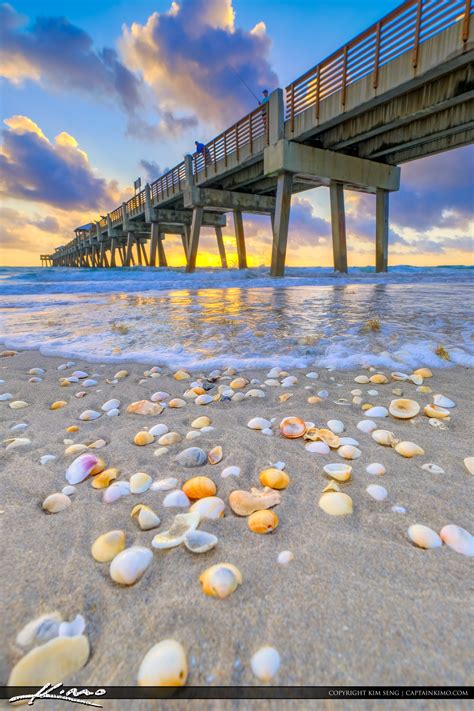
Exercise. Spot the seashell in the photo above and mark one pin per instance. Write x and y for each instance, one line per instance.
(18, 404)
(376, 469)
(165, 664)
(317, 447)
(175, 536)
(98, 444)
(230, 471)
(159, 396)
(348, 451)
(192, 457)
(432, 468)
(272, 382)
(177, 499)
(398, 509)
(349, 440)
(332, 440)
(385, 437)
(145, 407)
(199, 487)
(79, 374)
(169, 438)
(274, 478)
(158, 430)
(378, 378)
(377, 411)
(263, 521)
(54, 503)
(200, 541)
(336, 503)
(108, 545)
(215, 455)
(336, 426)
(423, 389)
(238, 397)
(74, 628)
(68, 490)
(207, 429)
(5, 396)
(81, 393)
(399, 376)
(361, 379)
(285, 396)
(244, 503)
(89, 383)
(458, 539)
(439, 413)
(289, 381)
(19, 427)
(193, 434)
(102, 480)
(81, 468)
(75, 449)
(143, 438)
(220, 580)
(332, 486)
(116, 491)
(416, 379)
(443, 401)
(146, 517)
(258, 423)
(37, 371)
(203, 399)
(46, 458)
(201, 422)
(408, 449)
(181, 375)
(42, 629)
(423, 372)
(89, 415)
(285, 557)
(121, 374)
(210, 507)
(340, 472)
(356, 400)
(51, 663)
(58, 404)
(377, 492)
(177, 402)
(164, 484)
(265, 663)
(17, 442)
(113, 404)
(238, 383)
(72, 428)
(323, 394)
(129, 565)
(312, 375)
(424, 537)
(468, 463)
(8, 354)
(255, 392)
(404, 409)
(140, 482)
(292, 427)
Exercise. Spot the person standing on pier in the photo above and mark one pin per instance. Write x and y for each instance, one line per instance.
(263, 103)
(204, 151)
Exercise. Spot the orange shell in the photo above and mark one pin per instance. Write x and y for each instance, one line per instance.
(98, 468)
(199, 487)
(292, 427)
(274, 478)
(263, 521)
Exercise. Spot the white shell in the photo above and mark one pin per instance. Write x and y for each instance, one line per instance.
(404, 408)
(376, 468)
(81, 467)
(18, 442)
(113, 413)
(204, 399)
(312, 375)
(209, 507)
(88, 415)
(255, 393)
(40, 630)
(230, 471)
(200, 541)
(398, 509)
(367, 426)
(317, 447)
(408, 449)
(336, 426)
(259, 423)
(5, 396)
(68, 490)
(113, 404)
(18, 404)
(348, 451)
(164, 484)
(424, 537)
(164, 664)
(468, 463)
(46, 458)
(361, 379)
(176, 499)
(130, 564)
(73, 628)
(377, 492)
(377, 411)
(458, 539)
(289, 381)
(384, 437)
(432, 468)
(349, 440)
(182, 524)
(443, 401)
(158, 430)
(147, 519)
(116, 491)
(140, 482)
(285, 557)
(265, 663)
(89, 383)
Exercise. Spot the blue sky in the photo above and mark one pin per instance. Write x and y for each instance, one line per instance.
(123, 83)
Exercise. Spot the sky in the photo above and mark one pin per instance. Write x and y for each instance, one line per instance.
(96, 94)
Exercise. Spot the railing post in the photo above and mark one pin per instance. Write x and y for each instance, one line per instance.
(225, 149)
(377, 55)
(292, 107)
(237, 141)
(465, 22)
(148, 205)
(250, 134)
(188, 169)
(275, 117)
(318, 92)
(416, 43)
(344, 78)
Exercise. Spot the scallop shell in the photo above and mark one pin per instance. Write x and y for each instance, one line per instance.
(82, 467)
(215, 455)
(129, 565)
(263, 521)
(201, 422)
(424, 537)
(220, 580)
(340, 472)
(469, 464)
(140, 482)
(89, 415)
(377, 492)
(317, 447)
(176, 499)
(443, 401)
(259, 423)
(175, 535)
(200, 541)
(146, 517)
(199, 487)
(458, 539)
(404, 408)
(265, 663)
(211, 507)
(348, 451)
(108, 545)
(378, 378)
(51, 663)
(244, 503)
(143, 438)
(145, 407)
(54, 503)
(169, 438)
(376, 469)
(58, 405)
(336, 503)
(439, 413)
(102, 480)
(292, 427)
(385, 437)
(274, 478)
(165, 664)
(377, 411)
(409, 449)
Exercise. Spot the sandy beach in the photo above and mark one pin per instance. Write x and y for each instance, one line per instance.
(358, 604)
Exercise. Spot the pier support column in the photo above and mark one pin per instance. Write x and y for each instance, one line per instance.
(129, 255)
(113, 247)
(381, 230)
(221, 247)
(185, 240)
(240, 239)
(281, 223)
(194, 238)
(162, 261)
(338, 221)
(154, 239)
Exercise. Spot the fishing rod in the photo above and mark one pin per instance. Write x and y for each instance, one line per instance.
(245, 84)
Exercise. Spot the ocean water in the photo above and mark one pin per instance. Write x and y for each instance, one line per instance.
(212, 318)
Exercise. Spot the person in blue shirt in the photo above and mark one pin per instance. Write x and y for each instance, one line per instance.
(263, 103)
(204, 151)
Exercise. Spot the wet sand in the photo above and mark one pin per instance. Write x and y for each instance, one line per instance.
(358, 605)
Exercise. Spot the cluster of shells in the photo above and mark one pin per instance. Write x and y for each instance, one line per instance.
(60, 654)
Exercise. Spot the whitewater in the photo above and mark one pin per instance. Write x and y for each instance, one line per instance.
(408, 318)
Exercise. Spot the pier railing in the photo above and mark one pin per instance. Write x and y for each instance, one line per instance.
(405, 28)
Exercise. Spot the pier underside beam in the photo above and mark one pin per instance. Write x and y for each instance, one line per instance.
(281, 222)
(381, 231)
(338, 221)
(227, 200)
